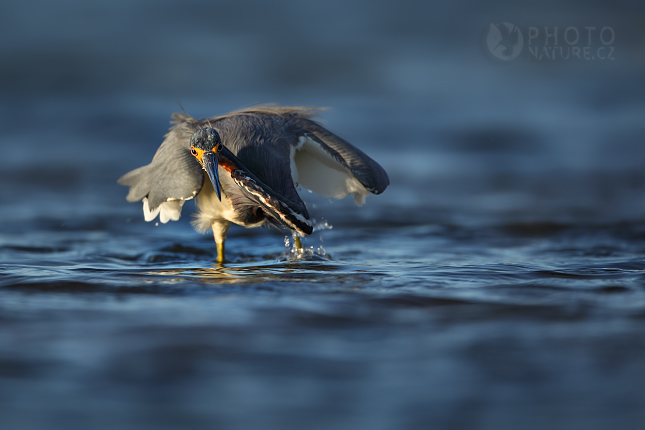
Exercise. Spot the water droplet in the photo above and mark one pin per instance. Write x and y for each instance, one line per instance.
(321, 251)
(322, 225)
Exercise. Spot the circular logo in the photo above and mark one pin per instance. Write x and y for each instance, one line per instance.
(504, 41)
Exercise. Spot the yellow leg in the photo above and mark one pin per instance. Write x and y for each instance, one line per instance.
(297, 241)
(220, 252)
(220, 228)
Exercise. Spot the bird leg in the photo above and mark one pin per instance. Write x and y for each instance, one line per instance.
(220, 229)
(298, 242)
(220, 252)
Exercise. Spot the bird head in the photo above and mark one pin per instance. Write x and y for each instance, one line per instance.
(205, 146)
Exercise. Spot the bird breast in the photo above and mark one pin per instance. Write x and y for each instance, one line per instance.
(234, 207)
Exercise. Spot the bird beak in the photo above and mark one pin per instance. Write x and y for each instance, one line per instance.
(210, 161)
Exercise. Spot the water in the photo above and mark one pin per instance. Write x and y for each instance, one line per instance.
(499, 283)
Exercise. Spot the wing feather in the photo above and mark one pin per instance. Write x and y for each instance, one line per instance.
(172, 177)
(332, 167)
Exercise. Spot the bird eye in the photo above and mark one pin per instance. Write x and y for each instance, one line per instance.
(219, 147)
(193, 151)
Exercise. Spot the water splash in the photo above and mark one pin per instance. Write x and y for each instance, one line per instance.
(303, 252)
(322, 225)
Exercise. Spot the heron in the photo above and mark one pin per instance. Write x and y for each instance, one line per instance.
(245, 167)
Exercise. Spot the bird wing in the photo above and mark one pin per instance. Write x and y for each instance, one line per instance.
(172, 177)
(290, 212)
(332, 167)
(321, 161)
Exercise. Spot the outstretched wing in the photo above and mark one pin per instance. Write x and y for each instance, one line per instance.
(290, 212)
(332, 167)
(172, 177)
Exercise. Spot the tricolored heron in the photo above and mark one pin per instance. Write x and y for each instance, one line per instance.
(253, 159)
